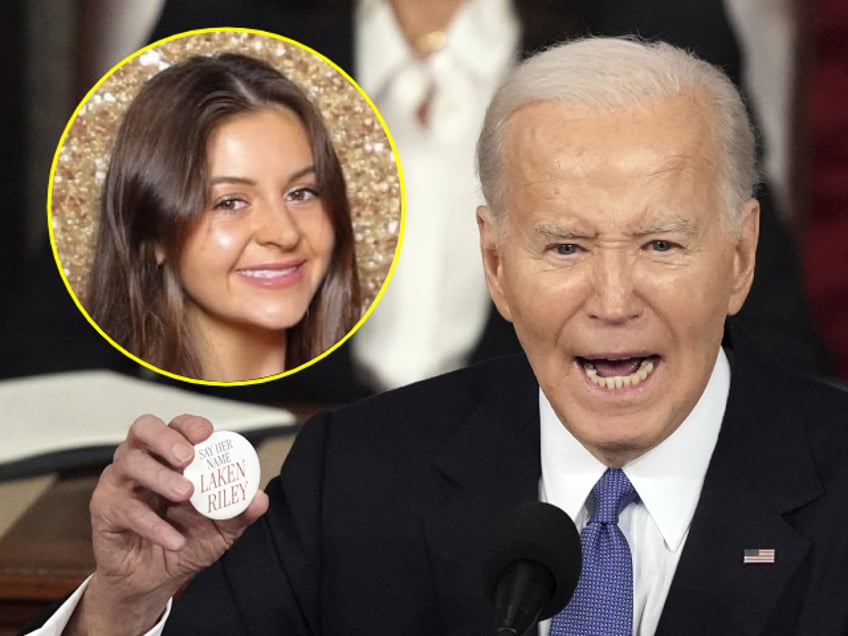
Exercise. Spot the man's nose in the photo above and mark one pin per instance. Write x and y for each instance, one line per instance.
(614, 297)
(276, 225)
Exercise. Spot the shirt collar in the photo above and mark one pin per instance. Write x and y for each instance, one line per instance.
(381, 51)
(668, 478)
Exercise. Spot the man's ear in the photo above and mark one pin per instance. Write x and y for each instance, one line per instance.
(745, 256)
(492, 266)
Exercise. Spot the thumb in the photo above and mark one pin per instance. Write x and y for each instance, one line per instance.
(234, 527)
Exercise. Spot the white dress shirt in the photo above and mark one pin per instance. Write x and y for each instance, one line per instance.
(436, 306)
(668, 479)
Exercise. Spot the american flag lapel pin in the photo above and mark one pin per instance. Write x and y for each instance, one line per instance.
(758, 555)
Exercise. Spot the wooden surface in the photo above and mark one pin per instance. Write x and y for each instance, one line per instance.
(45, 542)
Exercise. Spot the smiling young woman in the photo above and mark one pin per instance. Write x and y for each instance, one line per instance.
(226, 249)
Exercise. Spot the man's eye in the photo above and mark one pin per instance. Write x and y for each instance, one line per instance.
(566, 249)
(661, 245)
(302, 194)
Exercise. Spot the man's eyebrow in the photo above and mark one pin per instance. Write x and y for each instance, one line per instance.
(559, 233)
(671, 226)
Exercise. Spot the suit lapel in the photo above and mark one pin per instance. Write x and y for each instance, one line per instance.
(490, 465)
(761, 469)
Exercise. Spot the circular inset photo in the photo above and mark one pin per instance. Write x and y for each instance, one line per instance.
(226, 206)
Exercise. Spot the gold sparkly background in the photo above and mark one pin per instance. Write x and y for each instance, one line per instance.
(369, 166)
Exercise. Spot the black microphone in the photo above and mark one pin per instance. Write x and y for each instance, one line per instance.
(533, 568)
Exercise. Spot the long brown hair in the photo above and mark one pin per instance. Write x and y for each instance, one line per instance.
(156, 187)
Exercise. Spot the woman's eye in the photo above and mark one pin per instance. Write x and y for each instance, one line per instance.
(566, 249)
(230, 204)
(306, 193)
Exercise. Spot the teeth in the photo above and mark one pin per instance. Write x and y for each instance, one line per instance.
(619, 381)
(267, 273)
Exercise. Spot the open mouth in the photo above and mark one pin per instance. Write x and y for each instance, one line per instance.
(619, 372)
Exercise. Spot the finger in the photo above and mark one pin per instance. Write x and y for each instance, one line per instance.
(167, 442)
(257, 507)
(115, 511)
(138, 466)
(195, 428)
(235, 526)
(135, 516)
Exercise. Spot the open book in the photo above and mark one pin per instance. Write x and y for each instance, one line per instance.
(73, 420)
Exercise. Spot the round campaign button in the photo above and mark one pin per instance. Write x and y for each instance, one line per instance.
(225, 474)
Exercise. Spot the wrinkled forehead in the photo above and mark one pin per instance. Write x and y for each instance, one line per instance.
(631, 164)
(666, 140)
(661, 134)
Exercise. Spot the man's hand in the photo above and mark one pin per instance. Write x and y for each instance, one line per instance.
(147, 538)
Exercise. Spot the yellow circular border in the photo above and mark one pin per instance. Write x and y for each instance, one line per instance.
(339, 134)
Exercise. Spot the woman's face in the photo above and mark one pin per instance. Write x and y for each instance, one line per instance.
(257, 253)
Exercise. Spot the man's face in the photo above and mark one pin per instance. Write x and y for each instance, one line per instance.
(614, 266)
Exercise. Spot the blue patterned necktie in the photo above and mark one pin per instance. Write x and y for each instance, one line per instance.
(603, 601)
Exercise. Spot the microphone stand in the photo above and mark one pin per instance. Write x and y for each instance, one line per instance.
(525, 588)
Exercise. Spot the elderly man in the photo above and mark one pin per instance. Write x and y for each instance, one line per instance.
(619, 234)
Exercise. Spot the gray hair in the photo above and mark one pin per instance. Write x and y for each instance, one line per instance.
(608, 74)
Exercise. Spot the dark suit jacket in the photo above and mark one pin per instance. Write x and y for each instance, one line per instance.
(384, 511)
